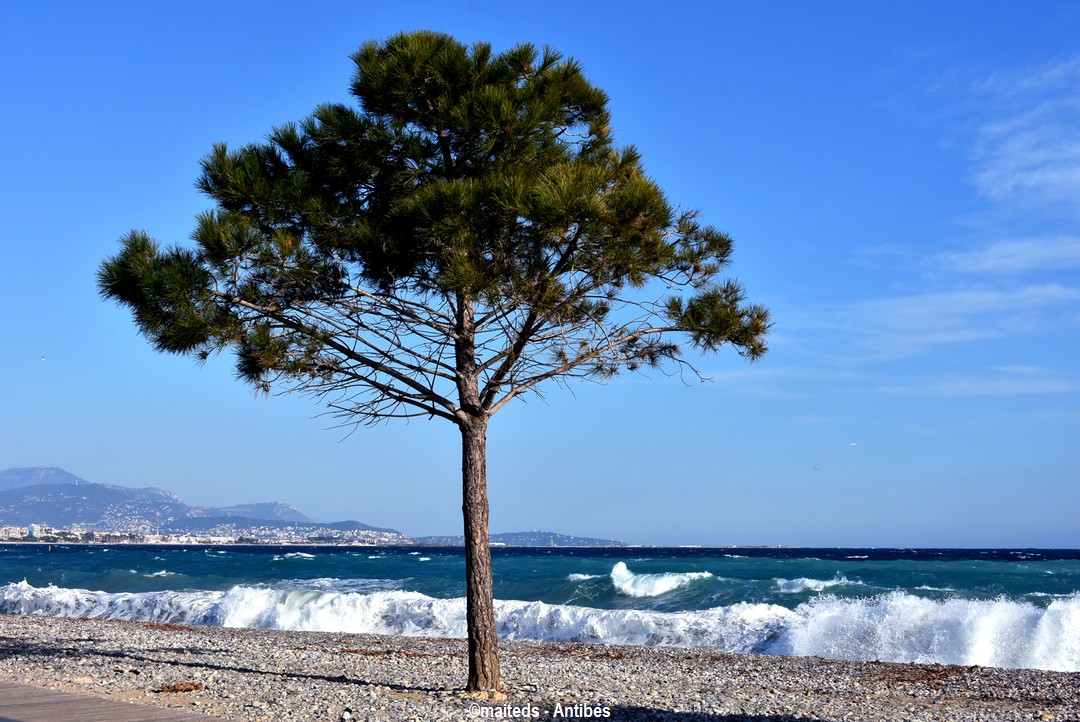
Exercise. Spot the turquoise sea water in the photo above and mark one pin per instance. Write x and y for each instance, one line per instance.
(1012, 608)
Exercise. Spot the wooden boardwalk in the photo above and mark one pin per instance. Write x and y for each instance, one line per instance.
(22, 703)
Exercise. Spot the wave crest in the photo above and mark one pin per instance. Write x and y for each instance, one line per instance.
(900, 627)
(650, 585)
(802, 584)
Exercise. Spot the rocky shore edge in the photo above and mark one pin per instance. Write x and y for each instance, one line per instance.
(259, 675)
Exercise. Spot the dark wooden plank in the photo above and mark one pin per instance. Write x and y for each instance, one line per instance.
(23, 703)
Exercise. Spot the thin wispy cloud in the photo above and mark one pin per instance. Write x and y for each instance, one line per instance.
(1010, 257)
(784, 377)
(1028, 151)
(1019, 86)
(1024, 160)
(896, 327)
(995, 384)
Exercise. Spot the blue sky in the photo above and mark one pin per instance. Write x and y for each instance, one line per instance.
(902, 182)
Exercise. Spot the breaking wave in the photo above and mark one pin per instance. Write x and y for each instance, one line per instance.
(796, 586)
(650, 585)
(891, 627)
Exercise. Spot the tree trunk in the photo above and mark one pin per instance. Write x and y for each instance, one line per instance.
(480, 607)
(472, 420)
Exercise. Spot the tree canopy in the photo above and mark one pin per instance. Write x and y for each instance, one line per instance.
(464, 233)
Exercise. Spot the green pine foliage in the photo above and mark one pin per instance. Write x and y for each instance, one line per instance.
(470, 199)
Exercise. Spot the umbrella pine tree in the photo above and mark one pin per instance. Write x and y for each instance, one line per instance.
(465, 233)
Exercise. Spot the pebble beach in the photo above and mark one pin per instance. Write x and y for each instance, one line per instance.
(258, 675)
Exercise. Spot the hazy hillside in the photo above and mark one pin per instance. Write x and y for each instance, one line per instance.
(267, 510)
(93, 506)
(16, 478)
(54, 497)
(527, 539)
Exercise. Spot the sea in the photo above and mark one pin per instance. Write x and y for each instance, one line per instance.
(1015, 608)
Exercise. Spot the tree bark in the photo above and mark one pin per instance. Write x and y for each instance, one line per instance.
(472, 420)
(480, 607)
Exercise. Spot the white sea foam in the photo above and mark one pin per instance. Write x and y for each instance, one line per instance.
(899, 627)
(424, 559)
(739, 627)
(584, 577)
(795, 586)
(650, 585)
(333, 584)
(169, 606)
(893, 627)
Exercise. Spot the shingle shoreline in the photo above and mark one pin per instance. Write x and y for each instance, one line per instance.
(260, 675)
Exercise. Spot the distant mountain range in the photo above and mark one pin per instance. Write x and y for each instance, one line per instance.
(15, 478)
(51, 496)
(526, 539)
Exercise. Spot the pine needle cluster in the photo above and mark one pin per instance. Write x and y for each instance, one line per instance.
(342, 250)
